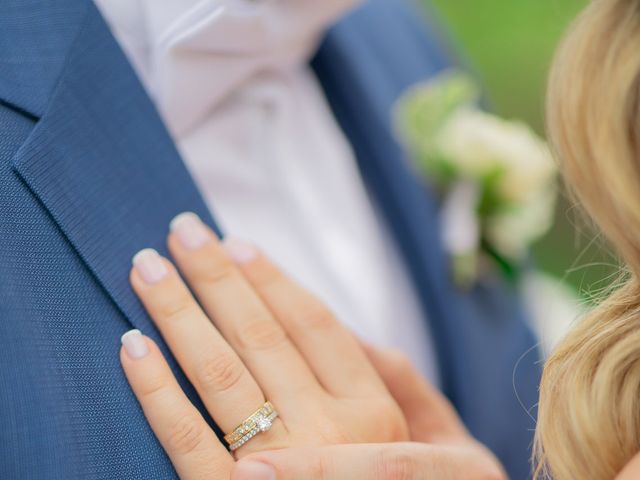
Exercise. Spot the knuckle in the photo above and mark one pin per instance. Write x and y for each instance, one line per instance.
(266, 277)
(392, 424)
(214, 271)
(317, 317)
(332, 432)
(319, 467)
(153, 386)
(219, 466)
(261, 334)
(220, 373)
(172, 308)
(186, 435)
(395, 464)
(382, 406)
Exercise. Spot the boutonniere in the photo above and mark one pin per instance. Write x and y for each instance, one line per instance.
(496, 178)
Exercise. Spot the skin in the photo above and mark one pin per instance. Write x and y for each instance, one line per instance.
(346, 410)
(440, 448)
(631, 471)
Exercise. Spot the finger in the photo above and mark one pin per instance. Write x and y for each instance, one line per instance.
(191, 445)
(329, 347)
(240, 315)
(370, 461)
(430, 416)
(224, 384)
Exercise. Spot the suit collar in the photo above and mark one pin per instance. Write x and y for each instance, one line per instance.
(101, 162)
(34, 49)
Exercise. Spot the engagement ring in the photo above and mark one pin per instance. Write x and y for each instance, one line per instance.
(258, 422)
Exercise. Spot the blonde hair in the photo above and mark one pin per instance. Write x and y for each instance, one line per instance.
(589, 411)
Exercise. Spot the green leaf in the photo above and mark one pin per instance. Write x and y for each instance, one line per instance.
(424, 109)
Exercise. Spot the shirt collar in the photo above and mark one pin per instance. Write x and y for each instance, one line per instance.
(192, 54)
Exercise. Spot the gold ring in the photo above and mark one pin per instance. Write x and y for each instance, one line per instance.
(258, 422)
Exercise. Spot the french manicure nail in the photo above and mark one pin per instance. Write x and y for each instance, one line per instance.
(150, 266)
(240, 251)
(134, 344)
(252, 470)
(190, 230)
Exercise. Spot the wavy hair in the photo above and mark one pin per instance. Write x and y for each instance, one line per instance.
(589, 410)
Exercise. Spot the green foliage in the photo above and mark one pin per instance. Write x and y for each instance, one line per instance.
(509, 44)
(423, 111)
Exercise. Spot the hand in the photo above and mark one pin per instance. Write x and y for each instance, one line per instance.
(258, 336)
(442, 449)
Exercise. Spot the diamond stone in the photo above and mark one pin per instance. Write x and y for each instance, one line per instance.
(264, 424)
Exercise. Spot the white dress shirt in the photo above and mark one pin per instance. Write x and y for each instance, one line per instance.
(231, 82)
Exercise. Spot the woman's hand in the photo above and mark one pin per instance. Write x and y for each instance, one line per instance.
(252, 336)
(441, 448)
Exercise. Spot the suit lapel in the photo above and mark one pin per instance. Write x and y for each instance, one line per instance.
(101, 162)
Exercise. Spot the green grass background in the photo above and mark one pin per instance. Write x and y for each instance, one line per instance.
(509, 44)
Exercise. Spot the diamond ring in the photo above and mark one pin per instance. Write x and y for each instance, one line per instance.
(258, 422)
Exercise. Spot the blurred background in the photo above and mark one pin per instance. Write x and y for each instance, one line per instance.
(509, 45)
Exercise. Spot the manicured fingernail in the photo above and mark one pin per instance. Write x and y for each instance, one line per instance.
(134, 344)
(190, 230)
(252, 470)
(241, 251)
(150, 266)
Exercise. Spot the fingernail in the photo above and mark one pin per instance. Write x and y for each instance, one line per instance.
(252, 470)
(150, 266)
(134, 344)
(190, 230)
(241, 251)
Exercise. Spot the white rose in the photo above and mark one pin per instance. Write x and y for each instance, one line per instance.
(467, 141)
(478, 144)
(512, 230)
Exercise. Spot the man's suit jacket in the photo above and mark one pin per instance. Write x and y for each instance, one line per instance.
(89, 175)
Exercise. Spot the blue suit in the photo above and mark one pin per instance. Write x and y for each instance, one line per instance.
(89, 175)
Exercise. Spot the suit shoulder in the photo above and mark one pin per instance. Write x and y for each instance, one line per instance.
(404, 39)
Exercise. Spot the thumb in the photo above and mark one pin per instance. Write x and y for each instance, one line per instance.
(431, 418)
(342, 462)
(368, 461)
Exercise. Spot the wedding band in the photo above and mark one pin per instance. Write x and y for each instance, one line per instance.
(258, 422)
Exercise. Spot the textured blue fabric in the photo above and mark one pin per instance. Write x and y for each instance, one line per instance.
(89, 175)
